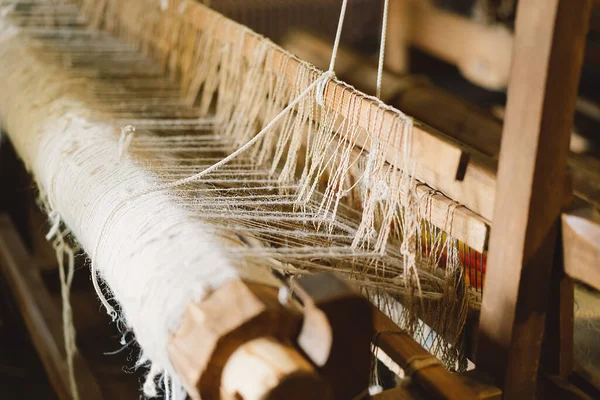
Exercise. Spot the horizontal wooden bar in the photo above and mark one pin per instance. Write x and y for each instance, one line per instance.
(435, 380)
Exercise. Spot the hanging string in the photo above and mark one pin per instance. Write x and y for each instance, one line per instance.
(382, 47)
(338, 36)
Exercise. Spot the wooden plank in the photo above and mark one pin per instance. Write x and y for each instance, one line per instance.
(42, 318)
(581, 244)
(557, 356)
(435, 380)
(464, 225)
(404, 392)
(586, 178)
(481, 385)
(549, 47)
(397, 44)
(481, 52)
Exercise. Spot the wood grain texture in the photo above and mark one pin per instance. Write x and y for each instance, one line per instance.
(557, 356)
(549, 47)
(481, 52)
(399, 29)
(581, 244)
(42, 318)
(214, 328)
(435, 381)
(265, 369)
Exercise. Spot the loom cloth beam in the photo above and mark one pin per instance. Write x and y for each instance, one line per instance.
(549, 47)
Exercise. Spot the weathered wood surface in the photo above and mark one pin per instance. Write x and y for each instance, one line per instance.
(434, 380)
(581, 244)
(549, 46)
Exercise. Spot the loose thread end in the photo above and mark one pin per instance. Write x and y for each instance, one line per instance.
(320, 94)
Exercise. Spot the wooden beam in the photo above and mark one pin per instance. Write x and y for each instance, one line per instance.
(481, 52)
(42, 318)
(434, 380)
(581, 244)
(549, 47)
(397, 44)
(557, 356)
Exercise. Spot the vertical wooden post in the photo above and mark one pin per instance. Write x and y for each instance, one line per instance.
(557, 351)
(549, 48)
(398, 36)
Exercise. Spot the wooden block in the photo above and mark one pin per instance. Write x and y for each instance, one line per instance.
(581, 245)
(218, 327)
(264, 369)
(481, 385)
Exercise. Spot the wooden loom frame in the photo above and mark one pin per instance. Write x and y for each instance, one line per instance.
(514, 296)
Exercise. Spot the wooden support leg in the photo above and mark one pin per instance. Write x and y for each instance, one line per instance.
(548, 54)
(398, 35)
(557, 347)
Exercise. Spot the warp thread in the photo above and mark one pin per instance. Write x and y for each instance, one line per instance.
(248, 97)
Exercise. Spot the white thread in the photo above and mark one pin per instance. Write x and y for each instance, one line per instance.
(320, 93)
(66, 279)
(382, 48)
(76, 165)
(338, 36)
(55, 219)
(167, 385)
(150, 382)
(250, 143)
(125, 139)
(283, 295)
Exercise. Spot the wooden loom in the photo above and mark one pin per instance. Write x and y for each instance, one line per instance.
(523, 241)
